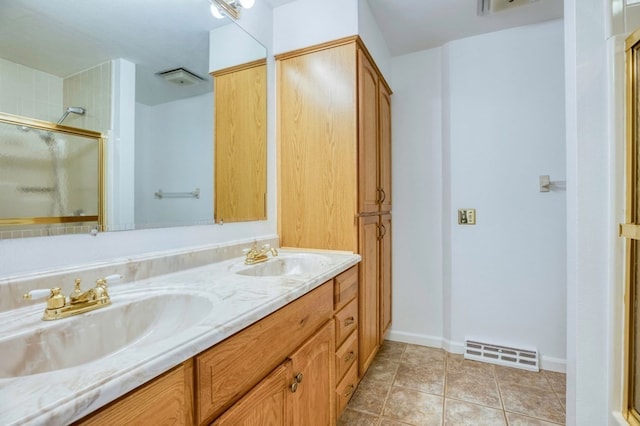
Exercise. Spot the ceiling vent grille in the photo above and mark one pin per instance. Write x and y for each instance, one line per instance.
(502, 355)
(487, 7)
(181, 77)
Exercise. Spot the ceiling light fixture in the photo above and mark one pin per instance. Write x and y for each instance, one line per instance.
(231, 8)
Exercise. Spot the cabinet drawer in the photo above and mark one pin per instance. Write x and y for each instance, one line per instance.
(345, 287)
(346, 388)
(346, 356)
(231, 368)
(346, 321)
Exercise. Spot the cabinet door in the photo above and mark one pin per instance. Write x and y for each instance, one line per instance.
(166, 400)
(368, 320)
(384, 142)
(313, 402)
(368, 188)
(385, 275)
(266, 404)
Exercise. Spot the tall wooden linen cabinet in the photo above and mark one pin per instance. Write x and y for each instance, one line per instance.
(334, 166)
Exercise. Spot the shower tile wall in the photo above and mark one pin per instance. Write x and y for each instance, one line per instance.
(28, 92)
(91, 90)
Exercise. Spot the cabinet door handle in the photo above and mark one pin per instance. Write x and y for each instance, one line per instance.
(349, 356)
(298, 378)
(349, 390)
(384, 231)
(378, 196)
(379, 237)
(349, 321)
(294, 387)
(384, 195)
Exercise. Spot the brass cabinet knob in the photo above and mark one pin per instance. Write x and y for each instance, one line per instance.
(294, 387)
(298, 378)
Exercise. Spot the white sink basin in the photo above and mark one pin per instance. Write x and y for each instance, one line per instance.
(69, 342)
(288, 265)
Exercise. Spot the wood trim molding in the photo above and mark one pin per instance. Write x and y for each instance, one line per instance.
(235, 68)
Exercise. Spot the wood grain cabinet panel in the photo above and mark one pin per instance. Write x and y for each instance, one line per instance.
(313, 402)
(346, 356)
(166, 400)
(266, 404)
(346, 321)
(346, 388)
(334, 151)
(345, 287)
(232, 367)
(240, 143)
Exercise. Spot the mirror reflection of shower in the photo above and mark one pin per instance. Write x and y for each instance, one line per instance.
(75, 110)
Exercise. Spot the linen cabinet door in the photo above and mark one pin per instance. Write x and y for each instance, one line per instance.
(368, 189)
(368, 319)
(385, 275)
(384, 144)
(312, 383)
(266, 404)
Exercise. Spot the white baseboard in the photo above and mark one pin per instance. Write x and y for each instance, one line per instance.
(546, 362)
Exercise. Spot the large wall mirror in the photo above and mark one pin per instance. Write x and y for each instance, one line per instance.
(139, 73)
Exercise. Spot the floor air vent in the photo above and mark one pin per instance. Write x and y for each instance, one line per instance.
(502, 355)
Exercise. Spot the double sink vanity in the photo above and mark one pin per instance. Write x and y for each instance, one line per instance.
(192, 346)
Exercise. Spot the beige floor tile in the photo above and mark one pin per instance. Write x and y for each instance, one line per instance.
(383, 370)
(422, 355)
(558, 382)
(370, 396)
(460, 413)
(423, 379)
(387, 422)
(391, 350)
(355, 418)
(520, 420)
(457, 363)
(522, 377)
(534, 402)
(475, 389)
(412, 407)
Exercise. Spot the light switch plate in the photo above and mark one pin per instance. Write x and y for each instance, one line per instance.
(466, 216)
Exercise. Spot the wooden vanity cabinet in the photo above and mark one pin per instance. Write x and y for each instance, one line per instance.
(234, 366)
(298, 392)
(165, 400)
(334, 169)
(247, 378)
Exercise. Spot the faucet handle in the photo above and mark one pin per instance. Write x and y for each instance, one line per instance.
(109, 279)
(40, 293)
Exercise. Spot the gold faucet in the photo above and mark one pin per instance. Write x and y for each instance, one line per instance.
(79, 301)
(255, 255)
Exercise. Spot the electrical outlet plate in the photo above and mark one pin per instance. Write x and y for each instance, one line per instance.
(466, 216)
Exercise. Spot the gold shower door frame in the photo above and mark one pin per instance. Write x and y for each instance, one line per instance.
(56, 128)
(631, 231)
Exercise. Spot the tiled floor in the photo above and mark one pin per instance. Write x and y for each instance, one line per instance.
(416, 385)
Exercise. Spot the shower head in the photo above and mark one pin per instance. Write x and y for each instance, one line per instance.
(75, 110)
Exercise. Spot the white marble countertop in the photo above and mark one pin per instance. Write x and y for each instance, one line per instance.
(226, 302)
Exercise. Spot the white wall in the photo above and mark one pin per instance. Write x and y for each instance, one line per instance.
(417, 198)
(475, 124)
(244, 47)
(173, 138)
(371, 35)
(305, 23)
(506, 127)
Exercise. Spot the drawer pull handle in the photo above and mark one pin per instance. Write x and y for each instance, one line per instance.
(349, 390)
(294, 387)
(298, 378)
(351, 355)
(349, 321)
